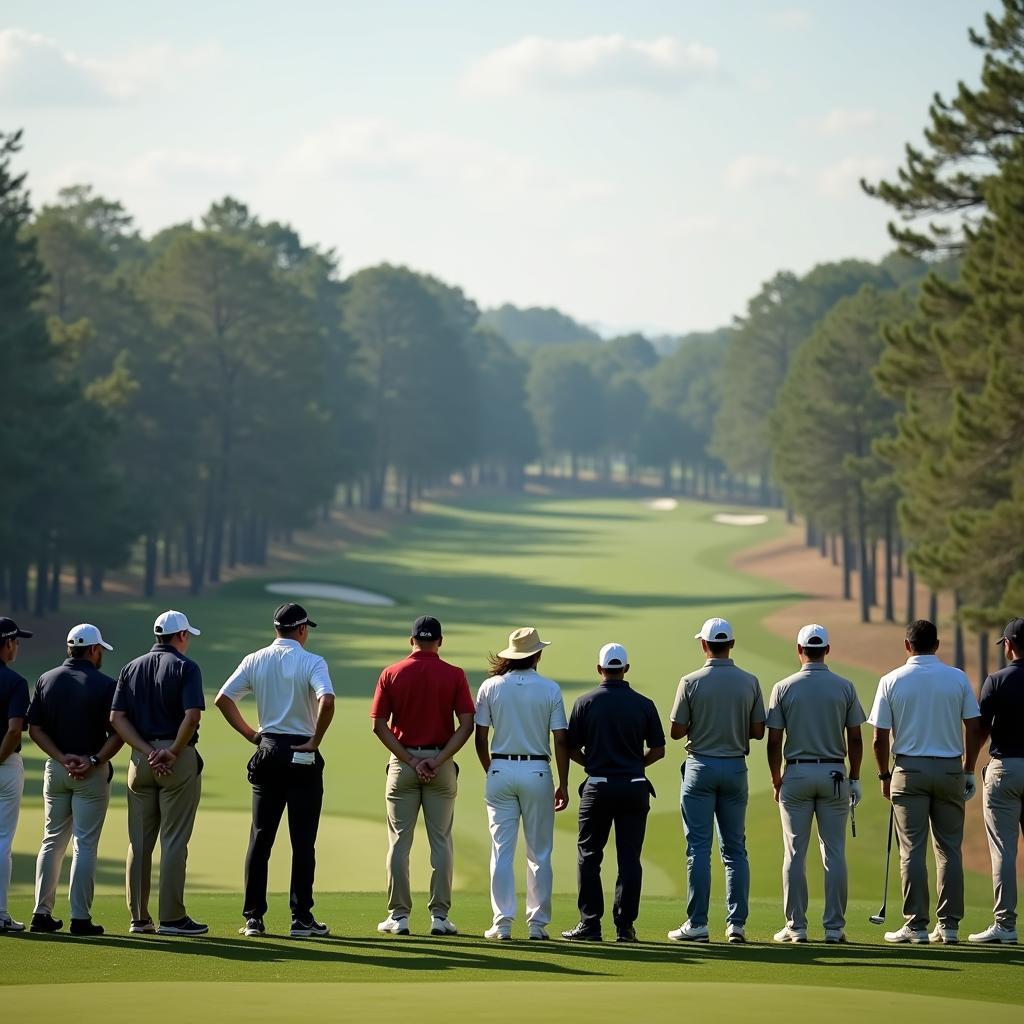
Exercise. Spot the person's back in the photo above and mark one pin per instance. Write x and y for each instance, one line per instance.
(155, 688)
(72, 703)
(717, 700)
(1002, 709)
(814, 703)
(614, 728)
(520, 704)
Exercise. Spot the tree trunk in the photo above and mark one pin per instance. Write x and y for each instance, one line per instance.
(80, 578)
(847, 546)
(810, 534)
(193, 557)
(911, 595)
(233, 542)
(865, 568)
(39, 607)
(167, 553)
(898, 571)
(933, 607)
(833, 549)
(874, 574)
(96, 575)
(958, 635)
(54, 600)
(890, 612)
(149, 565)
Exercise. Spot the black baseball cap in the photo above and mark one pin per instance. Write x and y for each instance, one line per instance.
(10, 629)
(1014, 632)
(426, 627)
(291, 615)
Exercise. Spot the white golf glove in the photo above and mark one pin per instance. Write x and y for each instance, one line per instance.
(970, 786)
(856, 793)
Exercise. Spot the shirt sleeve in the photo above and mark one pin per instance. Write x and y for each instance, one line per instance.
(192, 697)
(237, 684)
(320, 679)
(122, 695)
(19, 705)
(483, 706)
(655, 733)
(557, 718)
(969, 706)
(776, 718)
(463, 698)
(881, 710)
(380, 707)
(576, 737)
(757, 711)
(681, 706)
(854, 710)
(987, 704)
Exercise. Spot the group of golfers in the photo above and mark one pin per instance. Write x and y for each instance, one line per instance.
(929, 729)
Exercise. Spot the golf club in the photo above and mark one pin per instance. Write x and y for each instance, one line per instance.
(853, 819)
(879, 918)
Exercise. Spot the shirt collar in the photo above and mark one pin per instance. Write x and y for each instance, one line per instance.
(615, 684)
(78, 663)
(157, 648)
(815, 666)
(922, 659)
(717, 661)
(283, 641)
(418, 653)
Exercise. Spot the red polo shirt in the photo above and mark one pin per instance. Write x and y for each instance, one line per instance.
(419, 697)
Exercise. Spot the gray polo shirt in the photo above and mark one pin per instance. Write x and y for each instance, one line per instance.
(719, 702)
(815, 707)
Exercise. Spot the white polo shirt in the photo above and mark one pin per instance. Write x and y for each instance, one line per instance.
(287, 681)
(523, 708)
(924, 703)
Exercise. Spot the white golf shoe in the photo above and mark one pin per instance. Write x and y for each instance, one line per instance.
(687, 932)
(917, 936)
(735, 934)
(947, 936)
(835, 936)
(8, 926)
(394, 926)
(442, 926)
(788, 934)
(994, 934)
(499, 933)
(538, 933)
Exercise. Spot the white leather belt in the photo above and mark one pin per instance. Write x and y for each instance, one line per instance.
(603, 778)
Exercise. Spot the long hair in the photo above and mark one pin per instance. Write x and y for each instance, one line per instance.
(501, 666)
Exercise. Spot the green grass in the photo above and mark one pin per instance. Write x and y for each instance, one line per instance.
(584, 572)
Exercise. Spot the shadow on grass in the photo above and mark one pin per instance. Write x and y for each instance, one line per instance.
(109, 872)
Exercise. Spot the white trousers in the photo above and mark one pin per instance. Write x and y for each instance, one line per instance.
(12, 784)
(521, 790)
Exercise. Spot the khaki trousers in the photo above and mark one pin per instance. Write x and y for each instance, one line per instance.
(809, 792)
(405, 795)
(929, 791)
(74, 809)
(1004, 820)
(164, 807)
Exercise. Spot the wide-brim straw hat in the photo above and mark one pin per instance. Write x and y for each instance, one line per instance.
(522, 643)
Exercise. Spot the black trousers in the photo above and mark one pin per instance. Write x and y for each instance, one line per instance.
(279, 783)
(625, 805)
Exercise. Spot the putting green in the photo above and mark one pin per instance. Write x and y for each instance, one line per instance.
(471, 1002)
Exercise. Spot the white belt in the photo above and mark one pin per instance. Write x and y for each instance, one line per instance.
(603, 778)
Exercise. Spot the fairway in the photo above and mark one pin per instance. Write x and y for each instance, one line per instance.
(584, 572)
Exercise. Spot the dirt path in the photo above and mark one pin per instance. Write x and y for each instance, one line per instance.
(876, 646)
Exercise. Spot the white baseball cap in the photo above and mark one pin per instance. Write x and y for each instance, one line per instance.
(613, 656)
(715, 631)
(173, 622)
(812, 635)
(86, 635)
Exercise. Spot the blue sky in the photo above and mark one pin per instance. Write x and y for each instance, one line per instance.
(643, 165)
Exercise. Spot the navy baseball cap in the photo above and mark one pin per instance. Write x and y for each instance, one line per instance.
(291, 616)
(1014, 632)
(426, 627)
(10, 629)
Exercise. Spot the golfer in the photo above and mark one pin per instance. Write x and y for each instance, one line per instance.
(524, 709)
(13, 709)
(921, 706)
(415, 706)
(820, 716)
(719, 709)
(609, 729)
(156, 711)
(69, 720)
(1002, 719)
(295, 705)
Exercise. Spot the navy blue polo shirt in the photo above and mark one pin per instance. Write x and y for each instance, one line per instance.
(613, 724)
(13, 696)
(71, 704)
(156, 689)
(1002, 709)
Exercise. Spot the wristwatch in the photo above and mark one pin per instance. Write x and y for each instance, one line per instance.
(94, 760)
(884, 776)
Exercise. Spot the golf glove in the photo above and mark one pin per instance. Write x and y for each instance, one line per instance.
(856, 793)
(970, 786)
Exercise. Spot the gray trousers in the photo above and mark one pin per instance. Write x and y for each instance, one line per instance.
(808, 792)
(74, 809)
(929, 792)
(1004, 821)
(12, 784)
(405, 796)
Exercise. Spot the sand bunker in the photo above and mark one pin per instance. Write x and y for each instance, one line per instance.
(751, 519)
(662, 504)
(331, 592)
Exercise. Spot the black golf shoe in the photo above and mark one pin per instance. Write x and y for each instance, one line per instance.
(581, 933)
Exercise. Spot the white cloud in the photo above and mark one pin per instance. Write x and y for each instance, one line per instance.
(610, 62)
(37, 71)
(749, 170)
(843, 122)
(841, 180)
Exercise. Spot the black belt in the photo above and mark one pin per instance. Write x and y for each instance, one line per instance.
(817, 760)
(520, 757)
(429, 746)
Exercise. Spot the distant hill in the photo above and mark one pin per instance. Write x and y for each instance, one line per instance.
(666, 344)
(536, 327)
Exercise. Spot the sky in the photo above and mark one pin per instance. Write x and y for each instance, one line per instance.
(641, 166)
